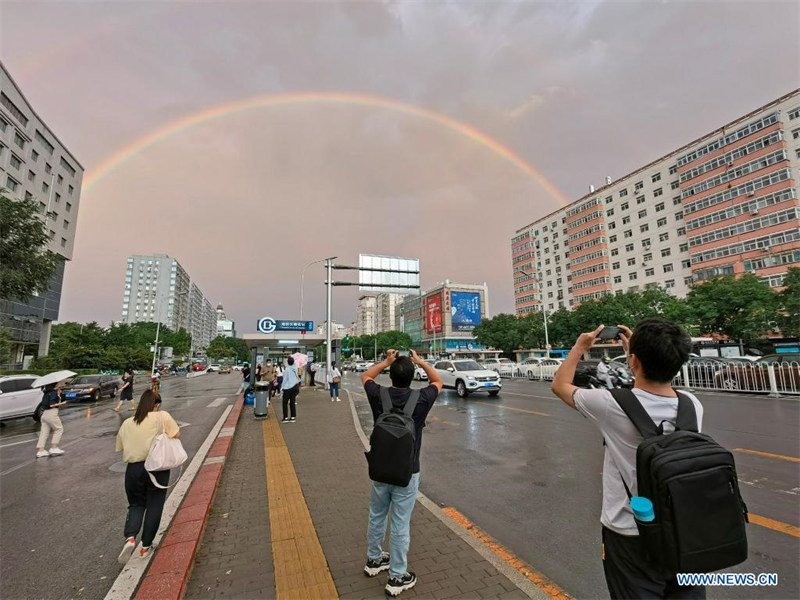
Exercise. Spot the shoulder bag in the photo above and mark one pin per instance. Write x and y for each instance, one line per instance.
(165, 453)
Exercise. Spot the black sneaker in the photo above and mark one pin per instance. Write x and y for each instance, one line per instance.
(376, 565)
(396, 585)
(284, 420)
(292, 420)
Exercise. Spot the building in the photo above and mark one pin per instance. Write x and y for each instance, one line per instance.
(386, 311)
(158, 289)
(723, 204)
(338, 331)
(366, 315)
(225, 327)
(441, 320)
(35, 164)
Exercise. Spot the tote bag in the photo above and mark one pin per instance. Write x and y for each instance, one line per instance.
(165, 453)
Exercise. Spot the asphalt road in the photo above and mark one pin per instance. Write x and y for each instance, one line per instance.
(527, 469)
(61, 519)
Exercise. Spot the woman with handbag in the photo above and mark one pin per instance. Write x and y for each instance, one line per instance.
(145, 499)
(334, 379)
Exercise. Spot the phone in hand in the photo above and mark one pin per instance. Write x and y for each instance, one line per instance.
(403, 353)
(609, 333)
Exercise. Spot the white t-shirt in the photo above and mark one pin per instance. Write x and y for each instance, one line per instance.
(334, 372)
(622, 439)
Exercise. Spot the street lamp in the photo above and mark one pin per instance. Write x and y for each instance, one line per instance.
(302, 282)
(154, 295)
(544, 314)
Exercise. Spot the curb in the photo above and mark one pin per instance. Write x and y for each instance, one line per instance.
(172, 564)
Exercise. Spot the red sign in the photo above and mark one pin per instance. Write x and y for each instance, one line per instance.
(433, 314)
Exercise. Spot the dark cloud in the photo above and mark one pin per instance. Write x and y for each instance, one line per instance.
(579, 90)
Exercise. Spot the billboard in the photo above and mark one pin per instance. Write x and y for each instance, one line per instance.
(465, 308)
(433, 314)
(388, 274)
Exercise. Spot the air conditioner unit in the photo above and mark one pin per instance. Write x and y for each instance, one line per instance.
(751, 193)
(730, 164)
(753, 210)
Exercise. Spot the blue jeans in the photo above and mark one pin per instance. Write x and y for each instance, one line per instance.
(401, 502)
(334, 388)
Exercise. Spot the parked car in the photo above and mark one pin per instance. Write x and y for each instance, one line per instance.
(237, 367)
(361, 366)
(17, 397)
(754, 376)
(467, 377)
(539, 368)
(212, 368)
(503, 366)
(91, 387)
(224, 370)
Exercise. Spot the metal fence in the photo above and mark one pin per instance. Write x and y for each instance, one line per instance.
(775, 379)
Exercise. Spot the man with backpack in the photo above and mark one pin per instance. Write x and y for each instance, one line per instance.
(671, 501)
(393, 459)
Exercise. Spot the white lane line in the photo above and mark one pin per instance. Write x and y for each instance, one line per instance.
(30, 462)
(17, 443)
(526, 586)
(217, 402)
(128, 580)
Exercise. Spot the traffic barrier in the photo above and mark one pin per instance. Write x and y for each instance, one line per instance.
(775, 379)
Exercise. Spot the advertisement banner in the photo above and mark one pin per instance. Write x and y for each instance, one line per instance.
(465, 310)
(433, 314)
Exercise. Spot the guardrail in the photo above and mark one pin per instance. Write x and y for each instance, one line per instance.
(775, 379)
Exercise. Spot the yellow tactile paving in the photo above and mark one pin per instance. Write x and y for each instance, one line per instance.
(301, 570)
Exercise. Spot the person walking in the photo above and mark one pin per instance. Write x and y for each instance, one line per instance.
(334, 378)
(278, 379)
(258, 372)
(126, 391)
(145, 500)
(656, 350)
(386, 497)
(290, 386)
(51, 402)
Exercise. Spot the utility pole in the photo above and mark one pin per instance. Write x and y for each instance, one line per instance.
(329, 283)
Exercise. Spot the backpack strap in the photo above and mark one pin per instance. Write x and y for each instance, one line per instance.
(386, 400)
(687, 415)
(630, 404)
(411, 403)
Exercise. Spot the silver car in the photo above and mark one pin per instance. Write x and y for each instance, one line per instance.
(17, 397)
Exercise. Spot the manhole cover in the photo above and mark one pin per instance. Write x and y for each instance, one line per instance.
(118, 467)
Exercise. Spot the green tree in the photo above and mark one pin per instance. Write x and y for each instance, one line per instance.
(789, 303)
(180, 341)
(6, 345)
(502, 332)
(393, 339)
(742, 308)
(218, 348)
(26, 265)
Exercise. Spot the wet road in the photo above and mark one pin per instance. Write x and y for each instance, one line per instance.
(527, 470)
(61, 519)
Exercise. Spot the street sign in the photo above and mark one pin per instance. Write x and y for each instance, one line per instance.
(388, 274)
(270, 325)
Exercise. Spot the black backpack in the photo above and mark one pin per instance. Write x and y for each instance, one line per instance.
(691, 480)
(391, 454)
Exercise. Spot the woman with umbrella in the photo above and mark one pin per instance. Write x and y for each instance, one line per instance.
(51, 402)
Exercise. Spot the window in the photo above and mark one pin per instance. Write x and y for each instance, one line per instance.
(69, 206)
(610, 212)
(624, 206)
(628, 233)
(15, 161)
(639, 185)
(609, 199)
(683, 248)
(71, 189)
(63, 242)
(45, 187)
(679, 216)
(612, 225)
(34, 155)
(659, 207)
(31, 175)
(796, 133)
(58, 197)
(633, 276)
(666, 252)
(676, 200)
(60, 179)
(646, 243)
(3, 124)
(615, 265)
(642, 213)
(649, 272)
(618, 279)
(12, 184)
(52, 234)
(648, 257)
(626, 220)
(656, 177)
(658, 192)
(668, 268)
(686, 264)
(12, 108)
(47, 168)
(794, 113)
(673, 169)
(644, 228)
(70, 169)
(19, 140)
(42, 207)
(674, 185)
(669, 283)
(663, 237)
(629, 248)
(43, 141)
(623, 193)
(631, 262)
(66, 225)
(615, 252)
(681, 231)
(661, 222)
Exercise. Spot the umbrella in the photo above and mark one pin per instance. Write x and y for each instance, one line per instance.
(300, 359)
(52, 378)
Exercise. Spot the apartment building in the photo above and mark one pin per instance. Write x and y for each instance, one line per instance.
(386, 311)
(225, 327)
(726, 203)
(36, 165)
(367, 316)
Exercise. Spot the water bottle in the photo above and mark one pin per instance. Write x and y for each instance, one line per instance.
(642, 509)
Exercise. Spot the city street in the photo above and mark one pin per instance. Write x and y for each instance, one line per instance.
(65, 515)
(526, 469)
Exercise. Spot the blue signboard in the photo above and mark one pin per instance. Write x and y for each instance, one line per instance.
(270, 325)
(467, 344)
(465, 308)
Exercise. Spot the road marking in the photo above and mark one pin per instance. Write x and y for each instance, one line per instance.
(17, 443)
(301, 570)
(128, 580)
(530, 412)
(528, 395)
(34, 460)
(216, 403)
(774, 525)
(550, 588)
(440, 420)
(767, 454)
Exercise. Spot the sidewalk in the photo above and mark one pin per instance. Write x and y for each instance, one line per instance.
(289, 520)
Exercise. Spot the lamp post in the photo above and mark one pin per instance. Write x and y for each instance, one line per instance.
(544, 314)
(302, 282)
(329, 282)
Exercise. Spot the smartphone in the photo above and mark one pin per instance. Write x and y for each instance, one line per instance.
(609, 333)
(403, 353)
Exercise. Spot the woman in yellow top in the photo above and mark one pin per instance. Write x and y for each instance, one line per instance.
(145, 501)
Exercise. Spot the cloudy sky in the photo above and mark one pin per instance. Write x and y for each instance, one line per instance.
(577, 91)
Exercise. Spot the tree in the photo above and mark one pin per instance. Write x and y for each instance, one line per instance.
(394, 339)
(180, 341)
(789, 302)
(742, 308)
(217, 348)
(6, 345)
(502, 331)
(26, 264)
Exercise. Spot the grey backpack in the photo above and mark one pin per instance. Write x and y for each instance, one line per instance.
(391, 454)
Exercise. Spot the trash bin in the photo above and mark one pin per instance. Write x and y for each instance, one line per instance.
(261, 400)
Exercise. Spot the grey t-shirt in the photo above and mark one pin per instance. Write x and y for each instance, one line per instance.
(622, 439)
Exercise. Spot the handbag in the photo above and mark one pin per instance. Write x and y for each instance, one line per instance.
(165, 453)
(336, 380)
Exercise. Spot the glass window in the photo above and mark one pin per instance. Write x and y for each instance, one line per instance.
(643, 228)
(626, 220)
(618, 279)
(624, 206)
(666, 252)
(643, 213)
(656, 177)
(663, 237)
(668, 268)
(19, 140)
(631, 262)
(15, 161)
(649, 272)
(658, 192)
(662, 221)
(629, 248)
(633, 276)
(623, 193)
(12, 184)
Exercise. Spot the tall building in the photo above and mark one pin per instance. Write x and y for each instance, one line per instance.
(158, 289)
(725, 203)
(225, 327)
(366, 315)
(386, 311)
(35, 164)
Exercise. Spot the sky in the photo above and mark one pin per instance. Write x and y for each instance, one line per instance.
(482, 117)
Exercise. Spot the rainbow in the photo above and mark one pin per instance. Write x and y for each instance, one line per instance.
(169, 130)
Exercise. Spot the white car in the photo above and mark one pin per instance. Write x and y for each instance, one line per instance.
(539, 368)
(214, 367)
(419, 372)
(503, 366)
(17, 397)
(467, 376)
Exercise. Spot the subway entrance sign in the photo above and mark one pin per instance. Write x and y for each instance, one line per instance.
(270, 325)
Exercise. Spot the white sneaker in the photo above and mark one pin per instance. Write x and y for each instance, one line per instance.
(337, 399)
(56, 452)
(42, 454)
(127, 550)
